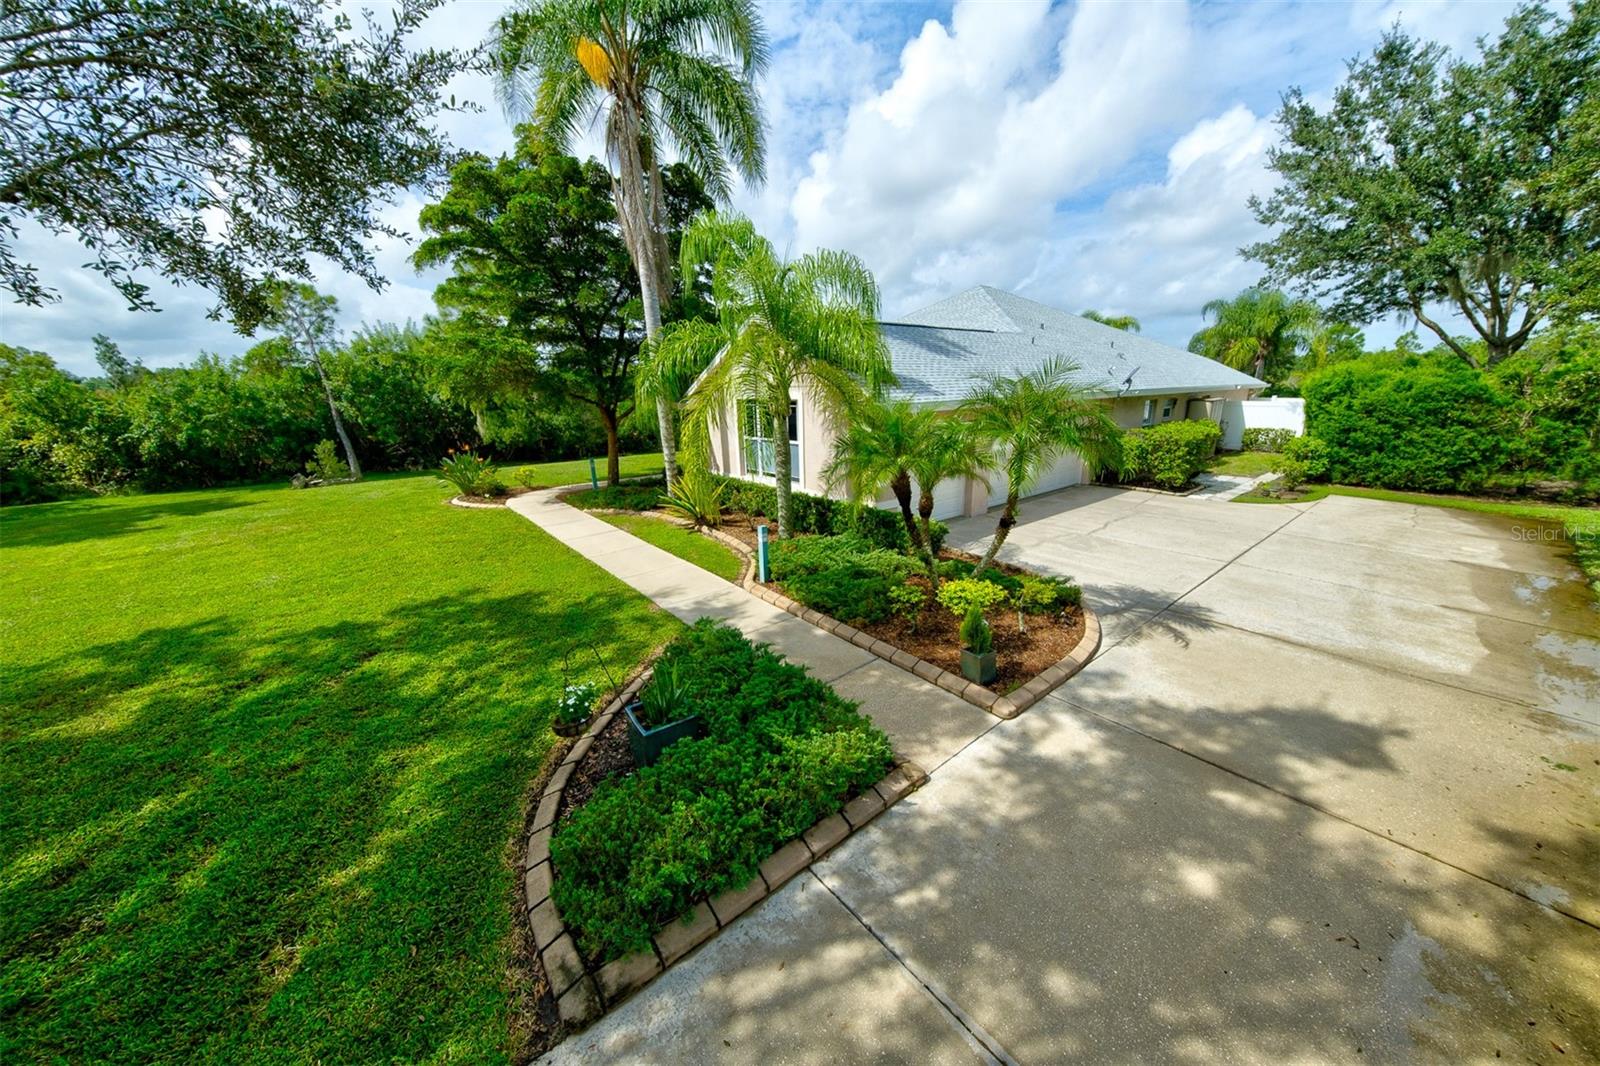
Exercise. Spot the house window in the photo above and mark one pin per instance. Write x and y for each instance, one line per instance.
(1149, 413)
(1166, 408)
(759, 454)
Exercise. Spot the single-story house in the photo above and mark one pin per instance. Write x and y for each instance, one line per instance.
(938, 352)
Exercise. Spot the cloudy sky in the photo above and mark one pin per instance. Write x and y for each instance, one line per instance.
(1086, 155)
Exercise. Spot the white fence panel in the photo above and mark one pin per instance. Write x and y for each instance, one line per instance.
(1279, 412)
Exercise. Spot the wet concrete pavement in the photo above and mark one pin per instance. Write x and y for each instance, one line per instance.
(1330, 792)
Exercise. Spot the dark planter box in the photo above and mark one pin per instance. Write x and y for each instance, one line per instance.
(979, 668)
(648, 744)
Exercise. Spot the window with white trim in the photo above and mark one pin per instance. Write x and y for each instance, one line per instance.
(1149, 413)
(1166, 408)
(755, 429)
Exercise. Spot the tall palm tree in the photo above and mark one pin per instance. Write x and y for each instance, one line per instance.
(677, 73)
(1127, 323)
(1260, 331)
(1031, 420)
(882, 443)
(810, 323)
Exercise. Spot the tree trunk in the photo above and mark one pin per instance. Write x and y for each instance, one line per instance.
(1261, 360)
(1002, 530)
(635, 214)
(608, 417)
(925, 518)
(338, 423)
(900, 485)
(780, 463)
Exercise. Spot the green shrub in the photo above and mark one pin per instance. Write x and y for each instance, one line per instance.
(1043, 595)
(325, 464)
(781, 750)
(1266, 440)
(849, 593)
(906, 601)
(1417, 424)
(1304, 459)
(955, 569)
(976, 636)
(634, 496)
(845, 577)
(813, 554)
(962, 595)
(696, 498)
(1170, 454)
(472, 475)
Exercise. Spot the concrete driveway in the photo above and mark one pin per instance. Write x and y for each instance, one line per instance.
(1330, 792)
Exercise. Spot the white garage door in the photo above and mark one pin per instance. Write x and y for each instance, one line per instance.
(997, 488)
(1068, 470)
(949, 498)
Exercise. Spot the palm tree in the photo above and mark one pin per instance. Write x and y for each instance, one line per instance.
(678, 72)
(950, 450)
(1260, 330)
(1126, 323)
(879, 448)
(1031, 420)
(809, 323)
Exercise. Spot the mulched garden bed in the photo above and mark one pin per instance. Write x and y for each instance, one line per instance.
(608, 756)
(1021, 654)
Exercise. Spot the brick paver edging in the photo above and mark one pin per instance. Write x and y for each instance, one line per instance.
(583, 994)
(1007, 706)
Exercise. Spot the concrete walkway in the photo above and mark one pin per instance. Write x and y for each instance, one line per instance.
(927, 724)
(1328, 793)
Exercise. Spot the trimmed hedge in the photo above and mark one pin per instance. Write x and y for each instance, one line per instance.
(825, 515)
(1430, 426)
(781, 750)
(1171, 453)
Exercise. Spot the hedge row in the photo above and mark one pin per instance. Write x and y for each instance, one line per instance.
(780, 750)
(822, 514)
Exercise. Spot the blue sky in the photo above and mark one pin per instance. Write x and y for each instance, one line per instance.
(1085, 155)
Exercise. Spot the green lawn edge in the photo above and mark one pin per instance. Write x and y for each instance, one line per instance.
(686, 544)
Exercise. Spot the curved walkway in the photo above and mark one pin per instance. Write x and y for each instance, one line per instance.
(1329, 792)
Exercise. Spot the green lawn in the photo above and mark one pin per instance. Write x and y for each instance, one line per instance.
(576, 471)
(263, 755)
(1582, 524)
(1243, 464)
(686, 544)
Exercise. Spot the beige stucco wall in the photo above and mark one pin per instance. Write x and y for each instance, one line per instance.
(817, 436)
(816, 444)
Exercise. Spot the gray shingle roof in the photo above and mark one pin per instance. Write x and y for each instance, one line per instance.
(938, 350)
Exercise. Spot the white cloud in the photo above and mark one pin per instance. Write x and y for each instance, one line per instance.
(958, 163)
(1162, 249)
